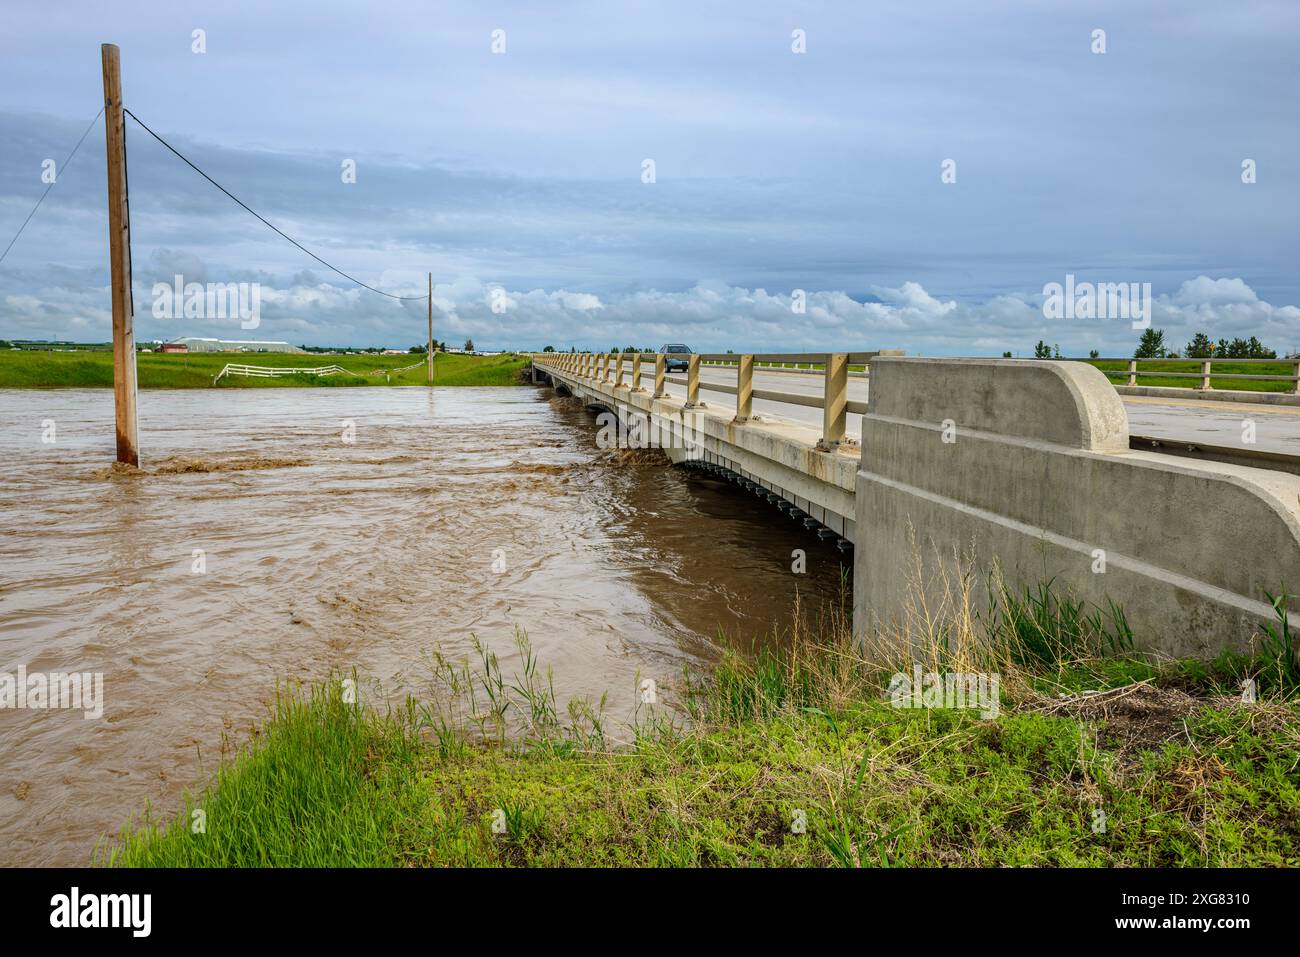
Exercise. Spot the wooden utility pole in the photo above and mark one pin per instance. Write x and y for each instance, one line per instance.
(119, 258)
(429, 361)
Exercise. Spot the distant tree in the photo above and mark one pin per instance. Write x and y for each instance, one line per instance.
(1056, 352)
(420, 349)
(1093, 354)
(1151, 346)
(549, 349)
(1258, 350)
(1042, 350)
(469, 345)
(1239, 348)
(1201, 347)
(1006, 355)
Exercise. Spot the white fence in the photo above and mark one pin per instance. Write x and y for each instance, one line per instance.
(236, 368)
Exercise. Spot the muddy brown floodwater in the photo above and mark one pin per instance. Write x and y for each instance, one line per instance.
(322, 556)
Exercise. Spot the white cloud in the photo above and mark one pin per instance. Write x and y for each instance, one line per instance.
(1206, 291)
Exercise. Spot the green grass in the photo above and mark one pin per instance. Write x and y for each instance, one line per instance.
(789, 758)
(1149, 374)
(48, 370)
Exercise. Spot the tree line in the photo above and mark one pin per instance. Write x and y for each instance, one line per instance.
(1152, 346)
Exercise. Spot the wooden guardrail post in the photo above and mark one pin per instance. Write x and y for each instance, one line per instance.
(604, 367)
(1295, 386)
(618, 374)
(1205, 374)
(744, 389)
(1132, 372)
(661, 368)
(693, 384)
(636, 373)
(836, 401)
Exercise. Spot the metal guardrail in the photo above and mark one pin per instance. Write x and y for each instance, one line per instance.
(1131, 372)
(834, 401)
(1231, 455)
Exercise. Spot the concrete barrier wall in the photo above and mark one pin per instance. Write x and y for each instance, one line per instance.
(1026, 463)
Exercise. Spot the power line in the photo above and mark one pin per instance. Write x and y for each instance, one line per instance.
(328, 265)
(51, 186)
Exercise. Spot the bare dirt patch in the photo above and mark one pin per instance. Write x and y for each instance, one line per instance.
(1137, 717)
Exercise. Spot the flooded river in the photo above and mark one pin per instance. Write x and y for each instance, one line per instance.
(301, 532)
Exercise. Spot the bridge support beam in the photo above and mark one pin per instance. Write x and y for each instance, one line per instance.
(1025, 466)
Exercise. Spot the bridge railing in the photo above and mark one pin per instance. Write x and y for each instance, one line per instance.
(625, 371)
(1205, 373)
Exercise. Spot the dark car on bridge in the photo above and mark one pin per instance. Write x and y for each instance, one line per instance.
(675, 356)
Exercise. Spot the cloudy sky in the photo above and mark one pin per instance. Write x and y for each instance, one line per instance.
(774, 170)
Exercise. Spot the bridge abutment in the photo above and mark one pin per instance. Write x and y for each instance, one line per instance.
(1025, 465)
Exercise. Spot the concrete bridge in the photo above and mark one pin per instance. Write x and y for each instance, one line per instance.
(1028, 464)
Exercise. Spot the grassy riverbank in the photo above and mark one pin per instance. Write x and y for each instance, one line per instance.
(88, 370)
(793, 759)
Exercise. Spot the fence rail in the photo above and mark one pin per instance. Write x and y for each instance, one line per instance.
(1131, 373)
(240, 368)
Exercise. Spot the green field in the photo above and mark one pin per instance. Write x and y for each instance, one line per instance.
(794, 759)
(1149, 374)
(52, 370)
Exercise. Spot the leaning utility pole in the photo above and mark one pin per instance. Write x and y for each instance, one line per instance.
(119, 258)
(429, 359)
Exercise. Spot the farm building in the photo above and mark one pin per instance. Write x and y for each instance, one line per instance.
(199, 344)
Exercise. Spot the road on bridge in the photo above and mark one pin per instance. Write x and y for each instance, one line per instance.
(1277, 428)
